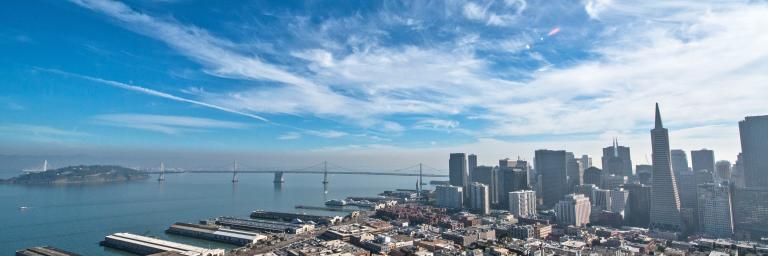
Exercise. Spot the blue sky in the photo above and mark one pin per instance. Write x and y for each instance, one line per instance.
(381, 79)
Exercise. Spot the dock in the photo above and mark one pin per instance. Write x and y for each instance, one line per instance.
(264, 225)
(215, 233)
(321, 208)
(289, 216)
(143, 245)
(44, 251)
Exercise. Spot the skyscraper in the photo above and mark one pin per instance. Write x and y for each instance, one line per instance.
(703, 159)
(488, 176)
(574, 171)
(574, 210)
(593, 175)
(479, 198)
(715, 215)
(457, 170)
(472, 163)
(753, 131)
(665, 200)
(511, 179)
(723, 171)
(637, 213)
(616, 160)
(619, 201)
(551, 166)
(586, 161)
(522, 203)
(750, 213)
(644, 173)
(449, 196)
(679, 161)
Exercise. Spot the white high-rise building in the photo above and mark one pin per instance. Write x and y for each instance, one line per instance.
(574, 210)
(715, 210)
(522, 203)
(449, 196)
(479, 198)
(665, 198)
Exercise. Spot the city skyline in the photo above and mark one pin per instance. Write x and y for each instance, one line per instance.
(175, 82)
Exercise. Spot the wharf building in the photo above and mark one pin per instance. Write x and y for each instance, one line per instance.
(44, 251)
(215, 233)
(288, 216)
(574, 210)
(665, 200)
(551, 166)
(143, 245)
(449, 196)
(264, 225)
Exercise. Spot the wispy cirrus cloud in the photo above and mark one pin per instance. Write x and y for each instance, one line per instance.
(600, 73)
(290, 136)
(40, 130)
(165, 123)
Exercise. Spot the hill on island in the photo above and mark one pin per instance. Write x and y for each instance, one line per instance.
(79, 175)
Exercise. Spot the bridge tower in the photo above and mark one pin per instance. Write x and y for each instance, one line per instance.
(325, 172)
(279, 177)
(162, 172)
(234, 171)
(420, 181)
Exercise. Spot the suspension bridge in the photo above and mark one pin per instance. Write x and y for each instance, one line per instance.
(324, 168)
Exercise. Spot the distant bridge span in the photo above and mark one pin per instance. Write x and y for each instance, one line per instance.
(314, 172)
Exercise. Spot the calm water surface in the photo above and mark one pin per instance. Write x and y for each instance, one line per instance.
(76, 218)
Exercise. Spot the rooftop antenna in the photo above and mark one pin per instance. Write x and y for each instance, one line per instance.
(234, 171)
(162, 172)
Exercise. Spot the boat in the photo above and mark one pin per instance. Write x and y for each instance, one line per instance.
(336, 202)
(23, 208)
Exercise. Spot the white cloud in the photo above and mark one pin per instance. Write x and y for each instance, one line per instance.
(327, 133)
(165, 123)
(705, 63)
(494, 14)
(39, 130)
(595, 7)
(290, 136)
(436, 124)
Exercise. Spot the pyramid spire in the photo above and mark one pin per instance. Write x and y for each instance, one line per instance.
(615, 147)
(658, 117)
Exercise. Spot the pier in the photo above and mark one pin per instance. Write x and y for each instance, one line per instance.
(215, 233)
(143, 245)
(322, 208)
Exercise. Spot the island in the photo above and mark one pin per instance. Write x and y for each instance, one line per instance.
(81, 174)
